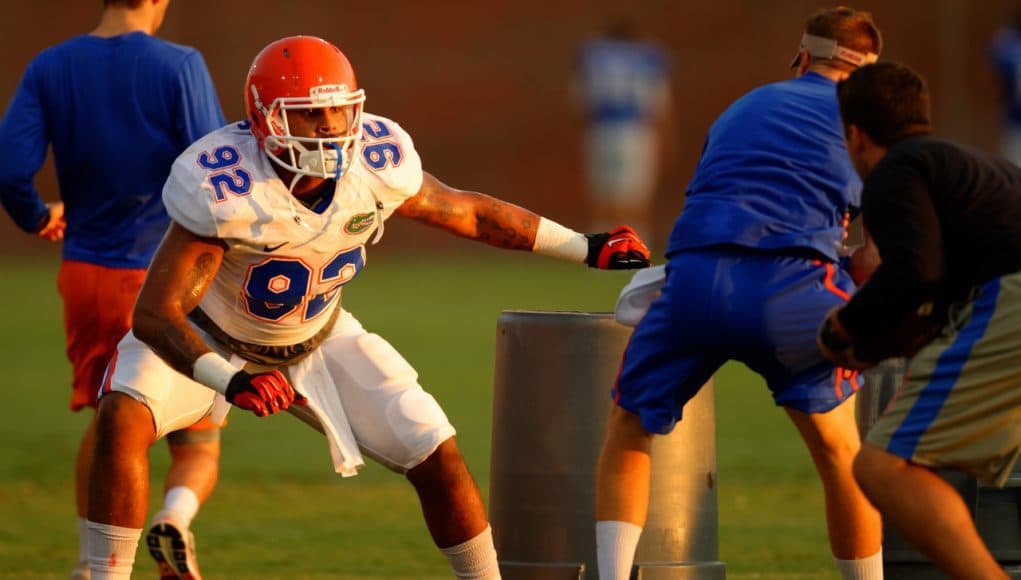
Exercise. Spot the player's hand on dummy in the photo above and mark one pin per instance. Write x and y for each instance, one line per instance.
(618, 249)
(836, 344)
(53, 226)
(262, 393)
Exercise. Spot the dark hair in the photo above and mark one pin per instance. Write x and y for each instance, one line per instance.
(888, 101)
(849, 27)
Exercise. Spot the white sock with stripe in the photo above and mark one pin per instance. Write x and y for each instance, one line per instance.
(112, 551)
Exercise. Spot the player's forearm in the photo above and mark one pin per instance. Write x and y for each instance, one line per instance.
(165, 328)
(173, 288)
(25, 207)
(172, 338)
(24, 142)
(512, 227)
(503, 224)
(498, 223)
(472, 215)
(860, 262)
(888, 296)
(508, 226)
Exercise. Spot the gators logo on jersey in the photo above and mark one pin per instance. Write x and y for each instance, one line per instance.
(359, 223)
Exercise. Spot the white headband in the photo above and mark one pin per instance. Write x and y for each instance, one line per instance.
(820, 47)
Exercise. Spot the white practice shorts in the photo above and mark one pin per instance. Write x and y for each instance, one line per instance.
(622, 163)
(393, 419)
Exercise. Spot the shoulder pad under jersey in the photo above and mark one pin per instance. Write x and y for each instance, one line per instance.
(218, 167)
(388, 153)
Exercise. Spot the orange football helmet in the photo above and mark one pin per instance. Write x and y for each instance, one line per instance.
(303, 72)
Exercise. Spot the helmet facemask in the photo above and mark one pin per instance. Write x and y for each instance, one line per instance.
(324, 157)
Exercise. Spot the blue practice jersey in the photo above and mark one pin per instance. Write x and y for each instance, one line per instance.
(622, 81)
(117, 112)
(1006, 51)
(774, 174)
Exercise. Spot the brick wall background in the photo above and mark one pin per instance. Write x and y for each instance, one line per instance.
(483, 85)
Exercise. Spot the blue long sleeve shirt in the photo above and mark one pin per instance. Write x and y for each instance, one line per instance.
(117, 112)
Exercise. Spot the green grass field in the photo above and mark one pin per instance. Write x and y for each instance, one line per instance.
(279, 512)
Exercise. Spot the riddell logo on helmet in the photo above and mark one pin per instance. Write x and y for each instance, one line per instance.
(327, 93)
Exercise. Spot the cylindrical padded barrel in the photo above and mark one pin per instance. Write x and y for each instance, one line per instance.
(553, 375)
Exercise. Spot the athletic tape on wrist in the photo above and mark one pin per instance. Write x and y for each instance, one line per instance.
(213, 371)
(554, 240)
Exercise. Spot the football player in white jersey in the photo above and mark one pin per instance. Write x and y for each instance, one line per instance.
(242, 302)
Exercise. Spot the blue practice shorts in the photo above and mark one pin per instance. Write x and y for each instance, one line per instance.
(758, 308)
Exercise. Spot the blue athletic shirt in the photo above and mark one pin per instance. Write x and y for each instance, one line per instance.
(622, 81)
(117, 111)
(774, 174)
(1006, 52)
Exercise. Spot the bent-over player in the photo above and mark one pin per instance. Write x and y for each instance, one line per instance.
(752, 267)
(946, 220)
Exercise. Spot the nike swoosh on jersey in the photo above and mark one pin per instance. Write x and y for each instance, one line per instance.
(269, 248)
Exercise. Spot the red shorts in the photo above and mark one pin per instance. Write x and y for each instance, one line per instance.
(98, 302)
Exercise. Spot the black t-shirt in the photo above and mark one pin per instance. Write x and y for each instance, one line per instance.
(945, 218)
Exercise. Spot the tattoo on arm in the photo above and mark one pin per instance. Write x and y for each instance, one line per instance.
(472, 215)
(179, 346)
(505, 226)
(201, 276)
(176, 342)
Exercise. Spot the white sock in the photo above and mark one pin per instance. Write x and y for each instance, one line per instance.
(182, 503)
(112, 551)
(616, 543)
(83, 541)
(474, 559)
(868, 568)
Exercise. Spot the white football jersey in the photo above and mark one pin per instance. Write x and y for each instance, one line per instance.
(282, 273)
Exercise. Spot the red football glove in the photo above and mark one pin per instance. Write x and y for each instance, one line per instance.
(262, 393)
(618, 249)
